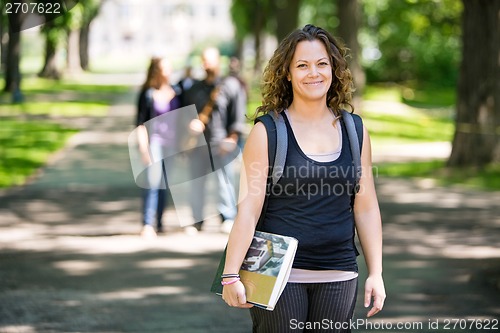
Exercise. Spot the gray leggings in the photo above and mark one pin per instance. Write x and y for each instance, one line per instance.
(309, 307)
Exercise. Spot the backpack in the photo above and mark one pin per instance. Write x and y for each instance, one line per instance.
(277, 146)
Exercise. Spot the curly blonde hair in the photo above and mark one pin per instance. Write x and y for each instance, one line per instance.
(277, 94)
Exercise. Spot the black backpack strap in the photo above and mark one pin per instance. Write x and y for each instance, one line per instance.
(354, 126)
(281, 147)
(270, 126)
(358, 123)
(277, 146)
(277, 139)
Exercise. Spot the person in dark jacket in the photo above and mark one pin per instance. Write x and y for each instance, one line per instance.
(156, 137)
(221, 106)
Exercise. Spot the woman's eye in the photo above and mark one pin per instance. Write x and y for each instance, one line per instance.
(301, 66)
(323, 64)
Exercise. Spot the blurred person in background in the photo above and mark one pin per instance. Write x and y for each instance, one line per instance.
(186, 81)
(155, 140)
(235, 68)
(221, 106)
(235, 71)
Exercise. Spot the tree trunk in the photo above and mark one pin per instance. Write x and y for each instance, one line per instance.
(90, 13)
(287, 17)
(84, 46)
(477, 134)
(72, 52)
(3, 40)
(49, 69)
(238, 49)
(350, 21)
(12, 74)
(258, 26)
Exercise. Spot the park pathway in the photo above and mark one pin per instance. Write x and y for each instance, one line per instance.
(71, 260)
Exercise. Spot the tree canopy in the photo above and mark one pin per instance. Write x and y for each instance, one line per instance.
(402, 40)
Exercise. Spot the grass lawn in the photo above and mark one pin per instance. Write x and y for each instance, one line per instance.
(25, 146)
(57, 109)
(436, 171)
(412, 95)
(28, 133)
(428, 117)
(35, 85)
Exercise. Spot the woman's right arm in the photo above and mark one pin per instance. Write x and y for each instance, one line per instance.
(252, 193)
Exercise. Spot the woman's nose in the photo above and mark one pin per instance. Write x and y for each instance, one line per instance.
(313, 71)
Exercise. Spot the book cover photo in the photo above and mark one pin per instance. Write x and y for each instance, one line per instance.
(265, 269)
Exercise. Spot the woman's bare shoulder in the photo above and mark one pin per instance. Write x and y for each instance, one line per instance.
(257, 140)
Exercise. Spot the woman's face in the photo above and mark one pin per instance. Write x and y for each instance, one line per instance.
(310, 71)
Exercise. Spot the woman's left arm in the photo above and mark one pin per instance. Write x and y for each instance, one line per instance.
(369, 229)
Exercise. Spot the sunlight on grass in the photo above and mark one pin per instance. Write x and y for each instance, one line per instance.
(404, 129)
(411, 169)
(27, 138)
(25, 146)
(404, 124)
(40, 85)
(385, 93)
(63, 109)
(412, 94)
(486, 179)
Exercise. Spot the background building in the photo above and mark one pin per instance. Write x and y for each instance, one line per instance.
(134, 30)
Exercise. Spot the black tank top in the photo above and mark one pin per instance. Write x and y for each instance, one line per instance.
(312, 202)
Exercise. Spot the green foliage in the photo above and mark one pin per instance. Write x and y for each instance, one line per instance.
(322, 13)
(244, 13)
(90, 9)
(55, 29)
(417, 40)
(241, 19)
(402, 40)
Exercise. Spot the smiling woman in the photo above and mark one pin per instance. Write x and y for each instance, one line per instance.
(311, 71)
(276, 83)
(308, 83)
